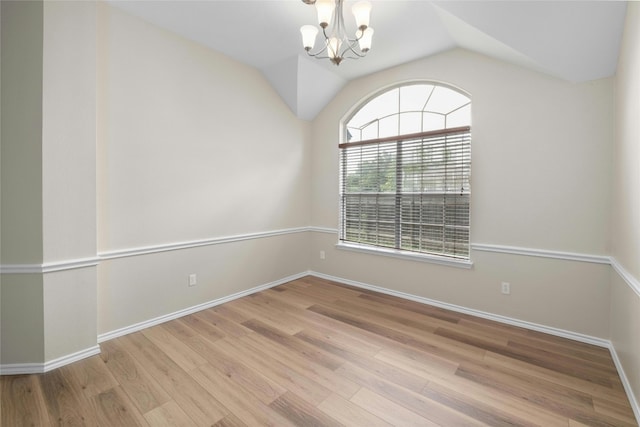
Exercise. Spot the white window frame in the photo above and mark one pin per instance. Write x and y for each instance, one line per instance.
(396, 251)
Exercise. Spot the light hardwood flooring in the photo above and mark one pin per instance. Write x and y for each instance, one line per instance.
(317, 353)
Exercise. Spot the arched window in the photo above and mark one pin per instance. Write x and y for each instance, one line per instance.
(405, 166)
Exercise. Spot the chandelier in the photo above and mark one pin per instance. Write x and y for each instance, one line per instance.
(337, 45)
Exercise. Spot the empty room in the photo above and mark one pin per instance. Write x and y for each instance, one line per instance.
(264, 212)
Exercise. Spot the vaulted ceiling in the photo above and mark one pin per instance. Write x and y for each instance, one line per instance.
(573, 40)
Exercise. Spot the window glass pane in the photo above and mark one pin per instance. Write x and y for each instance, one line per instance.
(380, 106)
(445, 100)
(410, 123)
(353, 134)
(388, 126)
(414, 97)
(369, 170)
(461, 117)
(370, 131)
(432, 121)
(406, 99)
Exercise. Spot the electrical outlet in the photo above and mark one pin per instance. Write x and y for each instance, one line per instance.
(506, 288)
(322, 255)
(193, 279)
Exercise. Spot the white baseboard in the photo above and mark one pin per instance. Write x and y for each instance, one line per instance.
(190, 310)
(37, 368)
(625, 383)
(459, 309)
(40, 368)
(507, 320)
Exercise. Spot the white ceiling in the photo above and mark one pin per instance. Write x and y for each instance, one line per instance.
(574, 40)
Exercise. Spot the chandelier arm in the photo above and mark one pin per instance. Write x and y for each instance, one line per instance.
(337, 45)
(321, 51)
(318, 53)
(351, 48)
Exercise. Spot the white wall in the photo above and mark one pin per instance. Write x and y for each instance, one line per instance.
(625, 237)
(192, 146)
(541, 171)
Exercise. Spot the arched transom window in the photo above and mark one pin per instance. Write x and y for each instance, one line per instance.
(405, 165)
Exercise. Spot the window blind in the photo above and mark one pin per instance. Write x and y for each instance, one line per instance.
(408, 192)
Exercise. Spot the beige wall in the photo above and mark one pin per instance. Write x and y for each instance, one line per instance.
(69, 130)
(192, 145)
(122, 135)
(137, 289)
(625, 330)
(540, 179)
(176, 122)
(21, 316)
(21, 169)
(541, 151)
(22, 319)
(625, 304)
(625, 235)
(69, 312)
(48, 179)
(69, 175)
(567, 295)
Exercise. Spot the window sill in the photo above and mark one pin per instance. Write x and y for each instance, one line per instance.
(411, 256)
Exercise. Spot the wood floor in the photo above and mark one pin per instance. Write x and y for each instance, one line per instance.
(315, 353)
